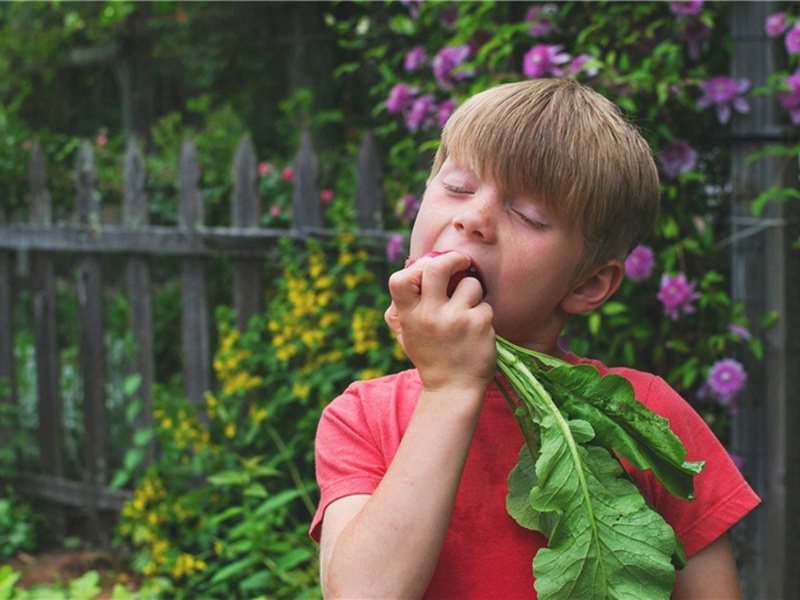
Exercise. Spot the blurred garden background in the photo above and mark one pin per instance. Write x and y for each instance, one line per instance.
(200, 203)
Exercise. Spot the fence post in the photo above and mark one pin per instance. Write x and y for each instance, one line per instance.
(140, 297)
(50, 410)
(764, 272)
(246, 214)
(305, 200)
(90, 303)
(8, 387)
(369, 207)
(194, 311)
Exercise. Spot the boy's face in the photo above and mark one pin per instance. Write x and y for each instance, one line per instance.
(525, 256)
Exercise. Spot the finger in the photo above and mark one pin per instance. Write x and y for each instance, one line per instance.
(436, 273)
(469, 291)
(405, 288)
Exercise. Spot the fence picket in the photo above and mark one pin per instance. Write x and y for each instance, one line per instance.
(90, 304)
(194, 310)
(368, 197)
(246, 214)
(305, 201)
(8, 393)
(139, 292)
(50, 409)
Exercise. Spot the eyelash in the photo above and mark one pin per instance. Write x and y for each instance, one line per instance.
(528, 221)
(455, 189)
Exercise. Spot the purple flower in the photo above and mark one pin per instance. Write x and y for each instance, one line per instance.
(420, 114)
(776, 24)
(448, 59)
(543, 60)
(677, 294)
(677, 158)
(541, 19)
(737, 460)
(685, 8)
(415, 58)
(694, 33)
(406, 208)
(793, 39)
(394, 247)
(577, 65)
(449, 16)
(400, 97)
(739, 331)
(444, 111)
(413, 7)
(640, 262)
(791, 98)
(726, 378)
(722, 93)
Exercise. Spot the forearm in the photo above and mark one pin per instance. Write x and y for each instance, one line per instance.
(391, 546)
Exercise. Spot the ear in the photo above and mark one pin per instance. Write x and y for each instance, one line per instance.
(593, 290)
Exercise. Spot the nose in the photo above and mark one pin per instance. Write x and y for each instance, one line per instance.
(477, 218)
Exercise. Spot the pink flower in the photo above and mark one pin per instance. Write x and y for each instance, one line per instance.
(776, 24)
(400, 97)
(543, 60)
(723, 93)
(420, 115)
(793, 39)
(394, 247)
(444, 111)
(739, 331)
(288, 174)
(415, 58)
(684, 8)
(677, 158)
(326, 196)
(676, 294)
(406, 208)
(577, 65)
(791, 98)
(446, 61)
(275, 210)
(640, 262)
(263, 168)
(541, 19)
(694, 33)
(726, 378)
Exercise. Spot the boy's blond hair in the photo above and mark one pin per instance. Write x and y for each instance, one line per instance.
(567, 145)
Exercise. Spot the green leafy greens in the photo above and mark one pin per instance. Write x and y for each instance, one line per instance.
(604, 539)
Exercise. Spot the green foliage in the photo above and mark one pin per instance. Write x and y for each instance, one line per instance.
(598, 524)
(225, 511)
(18, 527)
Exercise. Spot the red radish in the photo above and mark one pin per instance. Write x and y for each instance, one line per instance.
(456, 278)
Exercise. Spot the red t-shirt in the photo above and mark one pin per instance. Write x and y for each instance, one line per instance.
(486, 554)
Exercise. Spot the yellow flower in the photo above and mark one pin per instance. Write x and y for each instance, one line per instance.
(371, 374)
(301, 391)
(257, 414)
(230, 430)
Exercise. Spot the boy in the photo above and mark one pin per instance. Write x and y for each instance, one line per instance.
(544, 188)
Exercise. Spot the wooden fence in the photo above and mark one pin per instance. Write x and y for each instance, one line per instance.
(40, 243)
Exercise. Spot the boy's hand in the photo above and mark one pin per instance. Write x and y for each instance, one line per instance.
(450, 340)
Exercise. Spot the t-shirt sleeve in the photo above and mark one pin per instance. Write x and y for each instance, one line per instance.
(722, 496)
(348, 456)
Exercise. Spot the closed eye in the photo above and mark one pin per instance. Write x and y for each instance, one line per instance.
(528, 221)
(456, 189)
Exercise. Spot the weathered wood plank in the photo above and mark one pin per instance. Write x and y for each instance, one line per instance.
(50, 411)
(92, 346)
(305, 200)
(194, 309)
(139, 292)
(71, 493)
(369, 203)
(246, 214)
